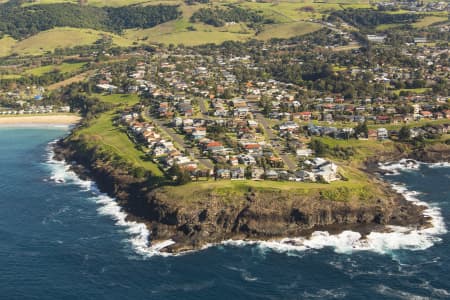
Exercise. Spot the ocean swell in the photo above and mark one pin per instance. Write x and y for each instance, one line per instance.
(394, 238)
(138, 232)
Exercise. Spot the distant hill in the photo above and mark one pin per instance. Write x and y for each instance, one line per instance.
(34, 27)
(20, 21)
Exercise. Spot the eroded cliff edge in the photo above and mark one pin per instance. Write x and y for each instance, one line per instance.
(202, 213)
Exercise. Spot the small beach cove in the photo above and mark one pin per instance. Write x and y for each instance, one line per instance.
(44, 119)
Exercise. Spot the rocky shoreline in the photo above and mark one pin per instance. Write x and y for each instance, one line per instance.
(252, 215)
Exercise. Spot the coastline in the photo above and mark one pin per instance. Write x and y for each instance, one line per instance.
(343, 239)
(172, 228)
(21, 120)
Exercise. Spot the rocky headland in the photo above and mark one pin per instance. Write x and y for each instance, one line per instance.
(199, 214)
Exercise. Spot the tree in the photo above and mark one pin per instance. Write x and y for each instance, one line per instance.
(248, 172)
(404, 134)
(181, 176)
(362, 129)
(319, 147)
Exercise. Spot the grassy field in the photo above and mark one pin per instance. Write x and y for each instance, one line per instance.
(63, 37)
(411, 124)
(62, 68)
(413, 91)
(114, 139)
(363, 148)
(287, 30)
(429, 20)
(77, 78)
(10, 76)
(119, 99)
(169, 34)
(339, 68)
(6, 45)
(359, 187)
(383, 27)
(291, 17)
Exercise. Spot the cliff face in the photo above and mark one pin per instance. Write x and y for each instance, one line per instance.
(433, 153)
(267, 215)
(211, 216)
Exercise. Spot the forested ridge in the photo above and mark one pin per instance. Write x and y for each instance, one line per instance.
(23, 21)
(366, 18)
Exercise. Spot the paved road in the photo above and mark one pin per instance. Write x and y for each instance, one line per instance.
(288, 161)
(177, 138)
(203, 108)
(206, 162)
(269, 131)
(170, 132)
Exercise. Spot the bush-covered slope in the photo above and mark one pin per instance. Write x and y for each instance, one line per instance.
(19, 22)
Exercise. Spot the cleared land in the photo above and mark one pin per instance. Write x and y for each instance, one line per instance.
(63, 68)
(430, 20)
(63, 37)
(6, 45)
(287, 30)
(76, 78)
(413, 91)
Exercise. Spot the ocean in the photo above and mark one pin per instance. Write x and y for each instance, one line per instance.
(62, 239)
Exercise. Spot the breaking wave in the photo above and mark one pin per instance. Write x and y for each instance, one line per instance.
(138, 232)
(394, 238)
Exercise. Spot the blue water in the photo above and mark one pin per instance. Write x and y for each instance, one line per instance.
(56, 244)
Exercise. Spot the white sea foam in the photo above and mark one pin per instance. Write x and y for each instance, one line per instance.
(398, 294)
(395, 238)
(394, 168)
(138, 232)
(346, 242)
(439, 165)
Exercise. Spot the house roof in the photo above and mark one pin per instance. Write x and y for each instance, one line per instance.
(214, 144)
(252, 146)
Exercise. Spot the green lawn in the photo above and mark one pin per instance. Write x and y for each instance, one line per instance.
(359, 186)
(10, 76)
(287, 30)
(429, 20)
(411, 124)
(60, 37)
(6, 45)
(414, 91)
(104, 133)
(120, 99)
(62, 68)
(363, 148)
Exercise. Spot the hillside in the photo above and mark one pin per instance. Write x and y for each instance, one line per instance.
(25, 25)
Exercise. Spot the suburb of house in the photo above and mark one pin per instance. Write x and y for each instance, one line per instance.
(210, 121)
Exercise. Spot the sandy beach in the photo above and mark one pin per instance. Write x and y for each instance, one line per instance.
(40, 120)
